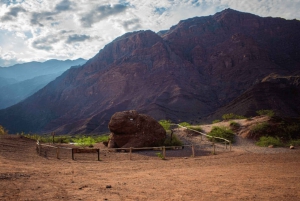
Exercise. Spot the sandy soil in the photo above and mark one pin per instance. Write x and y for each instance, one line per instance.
(240, 174)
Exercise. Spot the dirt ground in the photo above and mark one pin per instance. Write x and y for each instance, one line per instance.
(229, 175)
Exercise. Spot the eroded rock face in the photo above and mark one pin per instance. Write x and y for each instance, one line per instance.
(131, 129)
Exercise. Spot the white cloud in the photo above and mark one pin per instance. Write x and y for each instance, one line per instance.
(69, 29)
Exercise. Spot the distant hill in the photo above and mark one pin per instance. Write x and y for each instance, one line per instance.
(22, 80)
(6, 81)
(183, 74)
(25, 71)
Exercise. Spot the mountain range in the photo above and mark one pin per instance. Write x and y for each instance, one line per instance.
(22, 80)
(194, 72)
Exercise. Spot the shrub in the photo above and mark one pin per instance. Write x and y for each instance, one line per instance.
(234, 125)
(216, 121)
(172, 142)
(85, 141)
(101, 138)
(221, 132)
(184, 124)
(232, 116)
(294, 142)
(269, 113)
(259, 128)
(159, 155)
(2, 130)
(265, 141)
(166, 124)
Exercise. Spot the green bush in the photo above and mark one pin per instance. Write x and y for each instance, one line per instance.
(234, 125)
(2, 130)
(216, 121)
(232, 116)
(269, 113)
(259, 128)
(221, 132)
(265, 141)
(166, 124)
(294, 142)
(172, 142)
(184, 124)
(85, 141)
(101, 138)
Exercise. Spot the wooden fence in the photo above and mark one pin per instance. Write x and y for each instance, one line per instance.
(162, 148)
(74, 151)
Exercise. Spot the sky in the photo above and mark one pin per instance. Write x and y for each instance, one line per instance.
(39, 30)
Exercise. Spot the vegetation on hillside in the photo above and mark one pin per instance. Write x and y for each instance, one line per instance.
(3, 131)
(234, 125)
(80, 140)
(232, 116)
(216, 121)
(171, 139)
(269, 113)
(222, 132)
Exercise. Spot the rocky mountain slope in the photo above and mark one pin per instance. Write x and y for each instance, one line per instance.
(279, 93)
(182, 74)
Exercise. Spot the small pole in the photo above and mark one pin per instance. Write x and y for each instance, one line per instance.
(73, 154)
(57, 152)
(164, 152)
(39, 149)
(130, 151)
(98, 150)
(214, 149)
(52, 137)
(193, 151)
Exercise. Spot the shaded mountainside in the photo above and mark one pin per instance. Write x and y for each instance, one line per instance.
(22, 80)
(182, 74)
(11, 94)
(279, 93)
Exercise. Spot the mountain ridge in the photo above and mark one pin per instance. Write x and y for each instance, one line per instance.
(184, 74)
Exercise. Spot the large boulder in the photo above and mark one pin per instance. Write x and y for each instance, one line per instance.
(130, 129)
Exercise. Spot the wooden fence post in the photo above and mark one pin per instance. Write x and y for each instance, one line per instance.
(214, 147)
(73, 154)
(57, 152)
(130, 151)
(164, 152)
(98, 154)
(193, 151)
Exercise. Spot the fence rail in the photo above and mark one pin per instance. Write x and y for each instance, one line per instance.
(209, 136)
(130, 149)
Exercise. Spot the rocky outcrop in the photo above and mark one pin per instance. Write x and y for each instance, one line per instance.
(279, 93)
(181, 74)
(130, 129)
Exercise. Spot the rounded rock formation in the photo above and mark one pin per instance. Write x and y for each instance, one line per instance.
(131, 129)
